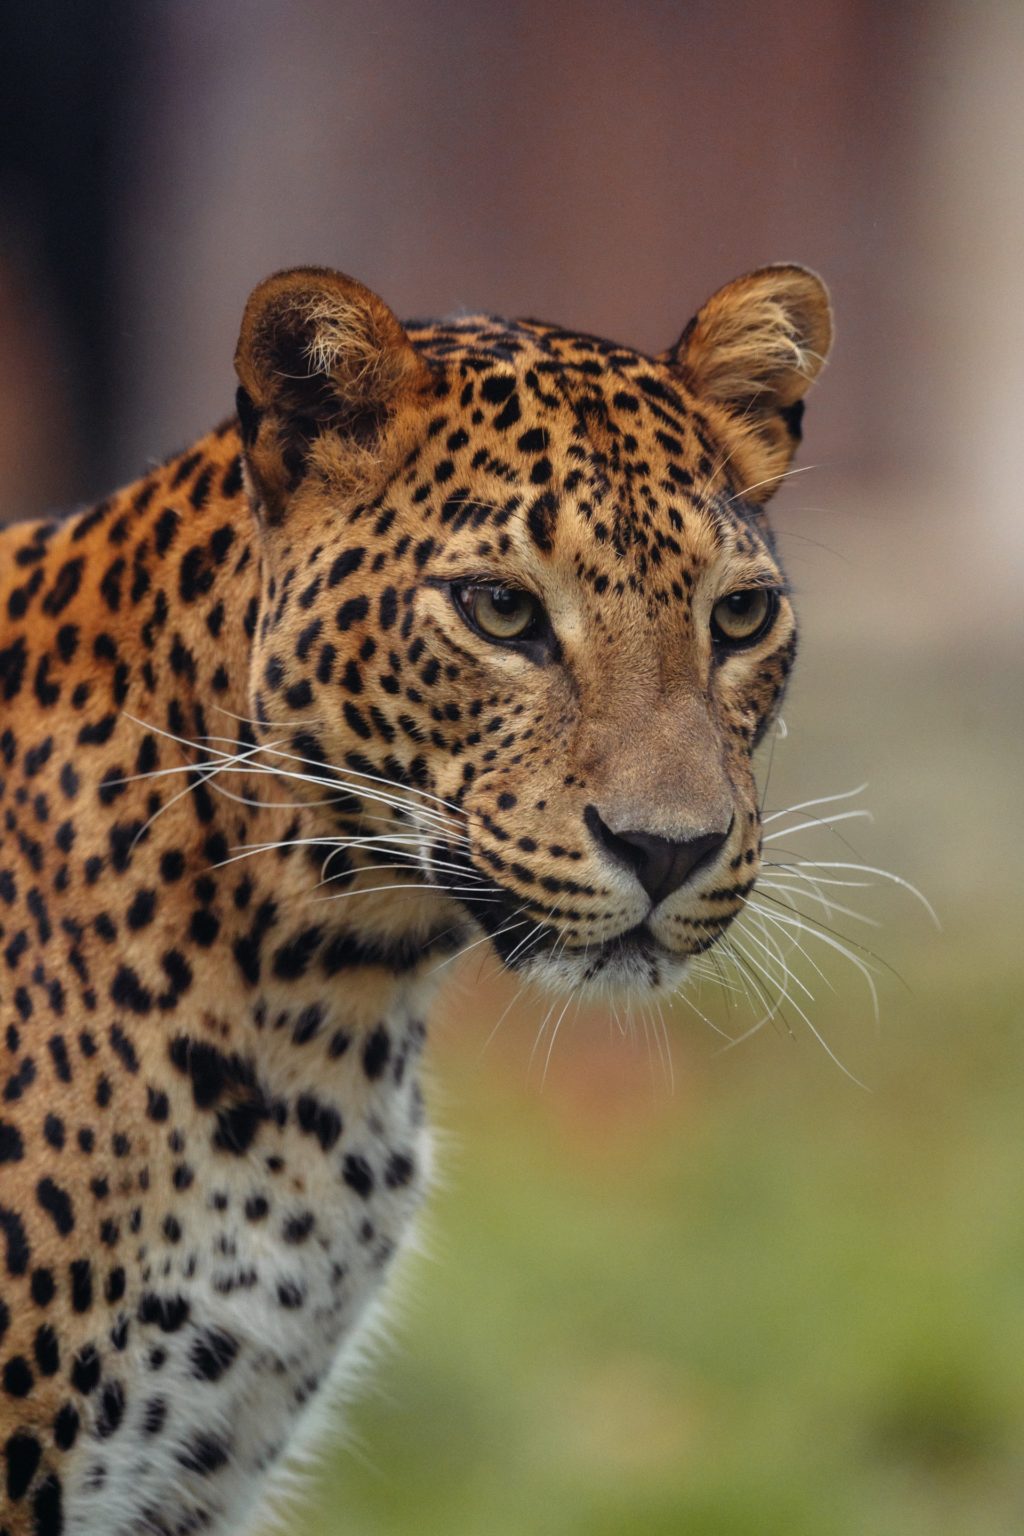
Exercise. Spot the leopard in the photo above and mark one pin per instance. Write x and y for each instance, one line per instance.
(455, 631)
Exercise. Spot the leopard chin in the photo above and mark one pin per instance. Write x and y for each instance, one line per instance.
(624, 970)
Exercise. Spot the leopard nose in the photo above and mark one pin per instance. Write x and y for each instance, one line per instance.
(661, 864)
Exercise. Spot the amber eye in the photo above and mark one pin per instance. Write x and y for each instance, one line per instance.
(742, 618)
(501, 613)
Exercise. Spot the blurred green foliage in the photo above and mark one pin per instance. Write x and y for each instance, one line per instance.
(767, 1302)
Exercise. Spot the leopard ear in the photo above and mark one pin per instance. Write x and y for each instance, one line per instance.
(323, 366)
(751, 353)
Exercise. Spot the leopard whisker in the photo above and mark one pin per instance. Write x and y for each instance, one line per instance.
(374, 778)
(233, 760)
(203, 778)
(871, 869)
(776, 956)
(831, 906)
(273, 725)
(803, 925)
(688, 1002)
(554, 1037)
(759, 915)
(788, 997)
(804, 805)
(804, 469)
(508, 927)
(812, 822)
(370, 845)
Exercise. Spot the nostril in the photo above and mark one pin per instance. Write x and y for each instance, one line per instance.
(621, 848)
(661, 864)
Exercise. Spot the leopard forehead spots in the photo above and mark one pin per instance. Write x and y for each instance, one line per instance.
(459, 630)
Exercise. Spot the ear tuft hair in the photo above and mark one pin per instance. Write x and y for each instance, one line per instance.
(319, 358)
(753, 350)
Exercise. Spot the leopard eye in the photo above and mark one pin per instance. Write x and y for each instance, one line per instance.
(500, 613)
(742, 618)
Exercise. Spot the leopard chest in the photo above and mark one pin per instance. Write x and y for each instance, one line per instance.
(255, 1282)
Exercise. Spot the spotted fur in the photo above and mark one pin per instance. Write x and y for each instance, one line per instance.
(233, 692)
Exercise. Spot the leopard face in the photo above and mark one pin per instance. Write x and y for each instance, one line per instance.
(519, 583)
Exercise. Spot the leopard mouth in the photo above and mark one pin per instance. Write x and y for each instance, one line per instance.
(627, 952)
(637, 942)
(633, 962)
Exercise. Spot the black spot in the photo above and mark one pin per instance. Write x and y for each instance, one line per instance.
(320, 1120)
(388, 607)
(69, 579)
(541, 520)
(157, 1105)
(208, 1069)
(232, 481)
(352, 611)
(238, 1125)
(212, 1354)
(344, 565)
(23, 1454)
(85, 1371)
(127, 991)
(203, 1454)
(47, 1509)
(204, 927)
(46, 1350)
(81, 1284)
(298, 1228)
(376, 1053)
(497, 387)
(358, 1175)
(293, 959)
(201, 487)
(17, 1378)
(56, 1202)
(111, 1410)
(65, 1427)
(307, 1025)
(172, 865)
(168, 1313)
(399, 1170)
(299, 695)
(509, 415)
(43, 1288)
(140, 912)
(13, 660)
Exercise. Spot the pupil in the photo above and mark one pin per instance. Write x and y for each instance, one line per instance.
(505, 601)
(740, 602)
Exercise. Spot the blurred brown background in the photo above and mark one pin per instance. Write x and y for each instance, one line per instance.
(608, 165)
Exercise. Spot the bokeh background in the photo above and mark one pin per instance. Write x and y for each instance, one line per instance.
(758, 1300)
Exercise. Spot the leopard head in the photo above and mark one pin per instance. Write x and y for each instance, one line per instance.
(522, 605)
